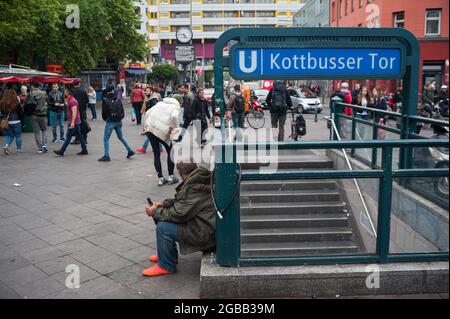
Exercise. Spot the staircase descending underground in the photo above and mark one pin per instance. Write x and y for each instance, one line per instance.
(297, 217)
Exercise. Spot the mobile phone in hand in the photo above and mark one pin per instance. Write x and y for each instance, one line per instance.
(149, 201)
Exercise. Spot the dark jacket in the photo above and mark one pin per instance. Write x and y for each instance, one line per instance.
(188, 100)
(53, 98)
(41, 98)
(83, 100)
(287, 98)
(106, 112)
(15, 115)
(193, 211)
(200, 109)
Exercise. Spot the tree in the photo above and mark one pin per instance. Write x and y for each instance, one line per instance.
(31, 33)
(164, 73)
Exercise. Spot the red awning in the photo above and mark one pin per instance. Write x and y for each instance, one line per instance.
(15, 79)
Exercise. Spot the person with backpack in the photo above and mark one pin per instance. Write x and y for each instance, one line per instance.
(236, 106)
(55, 101)
(74, 122)
(113, 113)
(36, 107)
(12, 116)
(279, 101)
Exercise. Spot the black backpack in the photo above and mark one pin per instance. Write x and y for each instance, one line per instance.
(116, 111)
(30, 105)
(278, 102)
(300, 125)
(239, 104)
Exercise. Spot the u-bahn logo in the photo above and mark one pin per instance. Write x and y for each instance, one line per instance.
(278, 62)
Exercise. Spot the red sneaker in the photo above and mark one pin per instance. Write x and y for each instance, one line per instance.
(141, 150)
(156, 271)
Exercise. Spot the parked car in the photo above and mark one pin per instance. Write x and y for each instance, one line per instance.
(305, 100)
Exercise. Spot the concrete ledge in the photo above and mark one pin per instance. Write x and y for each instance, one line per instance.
(321, 280)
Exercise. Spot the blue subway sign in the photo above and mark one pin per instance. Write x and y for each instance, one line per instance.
(330, 63)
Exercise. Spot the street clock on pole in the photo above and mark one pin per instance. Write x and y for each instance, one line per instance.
(184, 35)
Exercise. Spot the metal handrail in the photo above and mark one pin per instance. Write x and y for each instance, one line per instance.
(354, 179)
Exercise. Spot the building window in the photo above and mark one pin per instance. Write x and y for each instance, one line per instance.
(433, 22)
(230, 14)
(319, 7)
(212, 28)
(361, 2)
(265, 13)
(341, 8)
(212, 14)
(353, 5)
(333, 11)
(247, 14)
(399, 19)
(346, 7)
(180, 14)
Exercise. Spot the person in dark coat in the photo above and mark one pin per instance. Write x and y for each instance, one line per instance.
(83, 101)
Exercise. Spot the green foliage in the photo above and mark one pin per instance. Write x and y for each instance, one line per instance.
(164, 73)
(34, 30)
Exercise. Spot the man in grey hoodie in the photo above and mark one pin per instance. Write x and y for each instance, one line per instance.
(39, 118)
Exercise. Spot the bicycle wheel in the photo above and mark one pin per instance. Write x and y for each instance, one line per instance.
(256, 119)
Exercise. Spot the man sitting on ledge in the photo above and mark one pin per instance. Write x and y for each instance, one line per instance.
(188, 219)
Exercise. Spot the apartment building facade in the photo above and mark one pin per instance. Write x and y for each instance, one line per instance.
(428, 20)
(208, 19)
(314, 13)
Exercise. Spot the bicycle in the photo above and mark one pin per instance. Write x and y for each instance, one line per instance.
(255, 116)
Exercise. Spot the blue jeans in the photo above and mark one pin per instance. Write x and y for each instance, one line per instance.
(14, 131)
(93, 110)
(238, 123)
(166, 238)
(109, 128)
(70, 133)
(57, 120)
(146, 142)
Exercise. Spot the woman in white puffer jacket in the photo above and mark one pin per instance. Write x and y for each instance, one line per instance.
(160, 122)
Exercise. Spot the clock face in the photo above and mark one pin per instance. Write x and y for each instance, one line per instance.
(184, 35)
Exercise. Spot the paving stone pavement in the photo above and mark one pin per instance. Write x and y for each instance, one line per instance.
(76, 210)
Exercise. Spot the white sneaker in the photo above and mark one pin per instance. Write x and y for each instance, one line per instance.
(45, 149)
(162, 181)
(39, 151)
(172, 179)
(6, 149)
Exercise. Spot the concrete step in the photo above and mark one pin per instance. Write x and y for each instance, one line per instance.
(291, 162)
(294, 221)
(291, 208)
(255, 186)
(282, 235)
(289, 196)
(288, 249)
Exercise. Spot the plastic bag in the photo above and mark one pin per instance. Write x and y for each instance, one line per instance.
(133, 115)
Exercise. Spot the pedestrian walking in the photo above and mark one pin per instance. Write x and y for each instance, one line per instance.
(12, 114)
(151, 99)
(83, 100)
(92, 102)
(201, 113)
(159, 123)
(74, 124)
(188, 116)
(137, 99)
(113, 114)
(55, 102)
(38, 118)
(236, 109)
(279, 101)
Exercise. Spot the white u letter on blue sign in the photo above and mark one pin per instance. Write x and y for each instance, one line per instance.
(254, 60)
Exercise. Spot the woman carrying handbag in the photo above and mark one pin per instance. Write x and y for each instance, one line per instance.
(11, 122)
